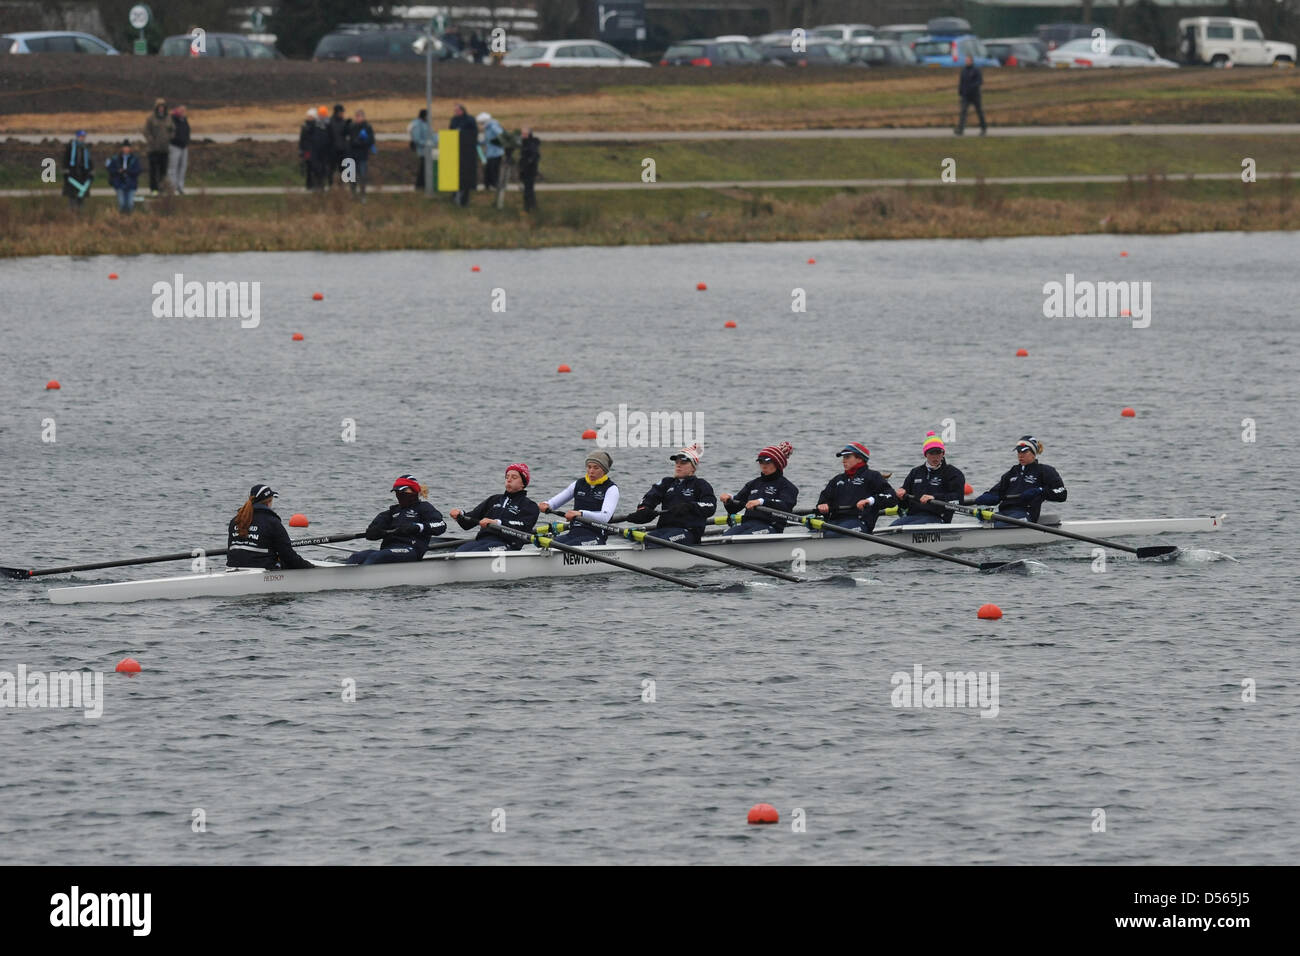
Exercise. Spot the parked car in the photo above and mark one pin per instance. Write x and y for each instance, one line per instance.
(1230, 41)
(952, 51)
(569, 53)
(1106, 51)
(54, 41)
(1057, 34)
(714, 53)
(779, 37)
(874, 52)
(220, 44)
(905, 33)
(1018, 51)
(364, 44)
(817, 52)
(846, 32)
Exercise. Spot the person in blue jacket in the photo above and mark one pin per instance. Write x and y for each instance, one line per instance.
(256, 537)
(404, 530)
(1020, 493)
(855, 498)
(685, 501)
(511, 509)
(361, 146)
(493, 150)
(124, 176)
(936, 480)
(78, 170)
(771, 489)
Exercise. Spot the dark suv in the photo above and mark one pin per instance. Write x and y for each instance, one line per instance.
(221, 44)
(369, 43)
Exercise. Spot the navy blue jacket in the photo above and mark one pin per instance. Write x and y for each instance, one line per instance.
(844, 491)
(407, 526)
(682, 502)
(123, 171)
(361, 141)
(1026, 486)
(775, 490)
(970, 81)
(180, 131)
(513, 510)
(265, 545)
(946, 483)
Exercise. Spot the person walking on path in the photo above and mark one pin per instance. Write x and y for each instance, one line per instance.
(158, 130)
(968, 87)
(124, 176)
(461, 120)
(78, 170)
(530, 157)
(361, 143)
(421, 144)
(178, 153)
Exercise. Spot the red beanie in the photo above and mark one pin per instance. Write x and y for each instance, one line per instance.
(522, 469)
(779, 453)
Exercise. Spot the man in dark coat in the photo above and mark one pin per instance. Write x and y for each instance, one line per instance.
(304, 146)
(124, 176)
(320, 149)
(78, 170)
(158, 130)
(339, 128)
(968, 87)
(462, 121)
(530, 157)
(361, 146)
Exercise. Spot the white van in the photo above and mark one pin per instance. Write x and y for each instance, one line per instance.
(1228, 41)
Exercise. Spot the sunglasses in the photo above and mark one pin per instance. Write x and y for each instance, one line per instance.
(934, 451)
(765, 459)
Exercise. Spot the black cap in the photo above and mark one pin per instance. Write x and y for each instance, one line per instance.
(258, 492)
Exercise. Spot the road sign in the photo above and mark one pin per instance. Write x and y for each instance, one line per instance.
(620, 20)
(139, 16)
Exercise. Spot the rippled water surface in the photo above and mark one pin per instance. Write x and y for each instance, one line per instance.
(1119, 690)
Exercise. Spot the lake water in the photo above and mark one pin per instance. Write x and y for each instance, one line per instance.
(1119, 690)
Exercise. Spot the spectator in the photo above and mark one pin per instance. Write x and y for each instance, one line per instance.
(339, 126)
(478, 47)
(78, 170)
(421, 144)
(968, 87)
(124, 176)
(304, 147)
(320, 149)
(493, 149)
(178, 155)
(463, 122)
(361, 143)
(530, 157)
(158, 130)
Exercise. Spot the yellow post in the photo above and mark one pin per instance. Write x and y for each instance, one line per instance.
(448, 160)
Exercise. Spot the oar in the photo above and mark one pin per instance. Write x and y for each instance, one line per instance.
(544, 542)
(818, 524)
(23, 574)
(988, 514)
(640, 536)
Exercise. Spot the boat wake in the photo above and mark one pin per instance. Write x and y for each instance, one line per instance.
(1201, 556)
(848, 581)
(1024, 566)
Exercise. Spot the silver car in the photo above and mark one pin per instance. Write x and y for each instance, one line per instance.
(1105, 51)
(569, 53)
(54, 41)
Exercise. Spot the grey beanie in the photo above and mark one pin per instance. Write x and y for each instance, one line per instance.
(601, 458)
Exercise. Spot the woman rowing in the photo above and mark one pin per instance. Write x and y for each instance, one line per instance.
(404, 530)
(771, 489)
(256, 537)
(1021, 491)
(936, 480)
(510, 509)
(685, 501)
(594, 496)
(855, 498)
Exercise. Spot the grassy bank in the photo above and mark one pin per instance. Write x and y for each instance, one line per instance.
(275, 164)
(333, 222)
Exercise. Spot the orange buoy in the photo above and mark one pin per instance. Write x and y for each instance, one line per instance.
(1125, 313)
(317, 296)
(968, 490)
(1128, 413)
(52, 384)
(589, 433)
(728, 324)
(1123, 255)
(112, 275)
(989, 612)
(701, 286)
(128, 665)
(812, 262)
(763, 813)
(1022, 353)
(297, 336)
(298, 521)
(474, 269)
(564, 368)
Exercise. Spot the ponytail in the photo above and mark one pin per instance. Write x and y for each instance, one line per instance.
(424, 492)
(244, 518)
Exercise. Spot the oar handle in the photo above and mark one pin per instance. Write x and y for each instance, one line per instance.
(544, 542)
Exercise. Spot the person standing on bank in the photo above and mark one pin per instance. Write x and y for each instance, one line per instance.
(404, 530)
(934, 480)
(593, 495)
(530, 158)
(421, 144)
(968, 88)
(361, 142)
(463, 122)
(78, 170)
(493, 151)
(124, 176)
(158, 130)
(771, 489)
(178, 152)
(256, 537)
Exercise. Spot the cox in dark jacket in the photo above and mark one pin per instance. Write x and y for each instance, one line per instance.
(256, 538)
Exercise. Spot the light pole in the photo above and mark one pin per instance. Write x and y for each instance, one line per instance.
(427, 45)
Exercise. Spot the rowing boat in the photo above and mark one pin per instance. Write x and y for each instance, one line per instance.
(793, 547)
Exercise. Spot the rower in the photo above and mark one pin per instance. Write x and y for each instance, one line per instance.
(594, 496)
(1021, 491)
(256, 537)
(771, 489)
(855, 498)
(936, 479)
(686, 502)
(404, 530)
(512, 508)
